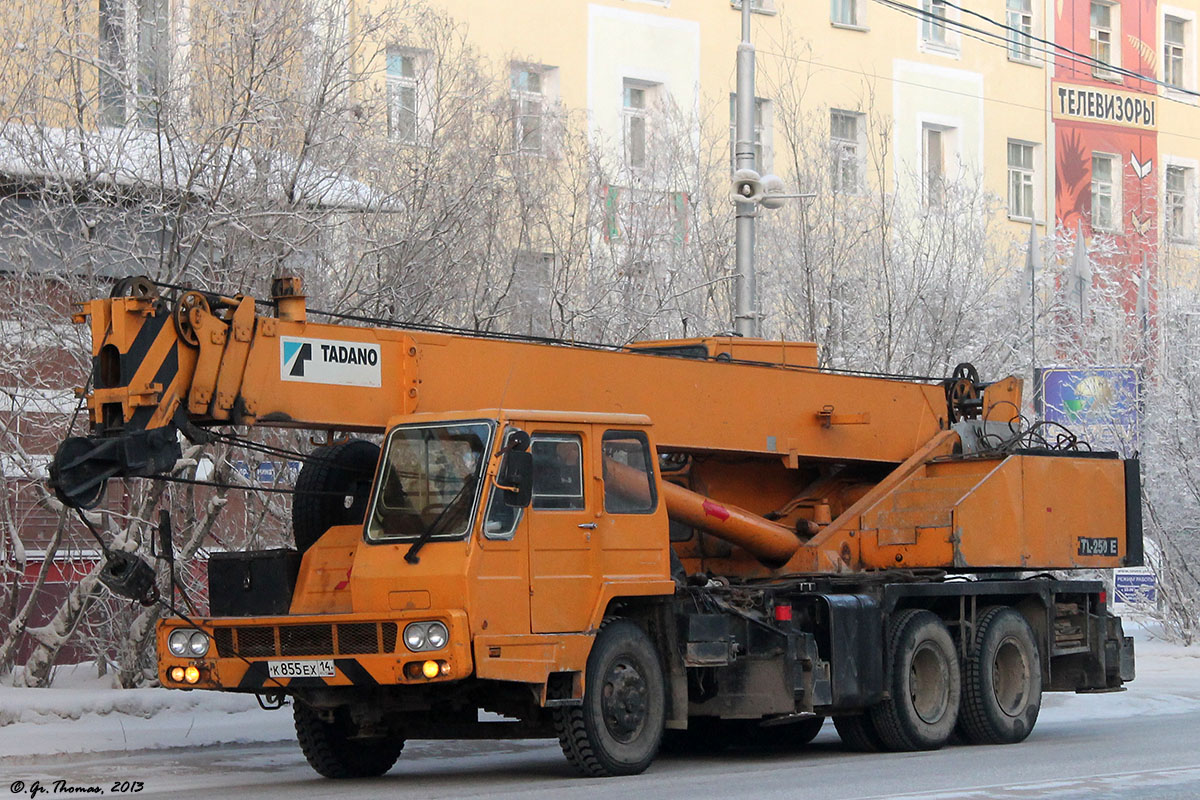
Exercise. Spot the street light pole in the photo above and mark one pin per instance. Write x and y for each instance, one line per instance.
(745, 319)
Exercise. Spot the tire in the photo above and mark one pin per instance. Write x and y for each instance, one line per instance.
(619, 727)
(332, 753)
(923, 682)
(858, 733)
(333, 488)
(1002, 680)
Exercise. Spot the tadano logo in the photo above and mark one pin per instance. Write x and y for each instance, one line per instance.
(328, 361)
(295, 355)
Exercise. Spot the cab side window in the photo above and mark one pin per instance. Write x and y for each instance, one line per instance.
(557, 471)
(628, 473)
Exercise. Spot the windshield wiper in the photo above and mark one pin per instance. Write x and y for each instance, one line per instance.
(423, 539)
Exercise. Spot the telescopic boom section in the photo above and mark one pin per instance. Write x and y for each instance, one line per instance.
(202, 359)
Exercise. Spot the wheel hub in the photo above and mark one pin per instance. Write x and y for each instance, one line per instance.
(1010, 677)
(929, 684)
(624, 701)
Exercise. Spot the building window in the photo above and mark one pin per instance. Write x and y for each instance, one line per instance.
(762, 132)
(529, 108)
(133, 64)
(1105, 200)
(933, 26)
(1103, 36)
(637, 100)
(845, 136)
(1173, 39)
(846, 12)
(402, 71)
(1178, 204)
(1020, 180)
(1020, 23)
(933, 164)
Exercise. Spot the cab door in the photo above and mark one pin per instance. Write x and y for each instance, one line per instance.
(561, 526)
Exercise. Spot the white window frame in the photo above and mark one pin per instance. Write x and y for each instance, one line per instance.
(1188, 68)
(763, 127)
(136, 68)
(1023, 178)
(857, 14)
(396, 84)
(933, 197)
(1113, 225)
(1112, 33)
(636, 122)
(847, 152)
(523, 97)
(1187, 203)
(1020, 22)
(938, 37)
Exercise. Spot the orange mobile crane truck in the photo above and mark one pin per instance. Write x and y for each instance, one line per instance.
(707, 539)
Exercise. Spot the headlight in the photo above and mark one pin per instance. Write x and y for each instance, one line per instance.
(177, 642)
(436, 634)
(198, 644)
(420, 636)
(414, 636)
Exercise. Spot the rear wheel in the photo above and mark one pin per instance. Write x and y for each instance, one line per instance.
(332, 489)
(618, 728)
(923, 682)
(332, 752)
(1002, 680)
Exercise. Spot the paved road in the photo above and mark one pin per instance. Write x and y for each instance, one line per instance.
(1155, 757)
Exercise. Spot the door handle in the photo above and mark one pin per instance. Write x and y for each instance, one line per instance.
(591, 526)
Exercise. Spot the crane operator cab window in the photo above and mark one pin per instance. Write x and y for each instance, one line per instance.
(557, 471)
(432, 476)
(628, 475)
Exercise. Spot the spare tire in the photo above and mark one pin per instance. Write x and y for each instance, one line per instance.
(333, 488)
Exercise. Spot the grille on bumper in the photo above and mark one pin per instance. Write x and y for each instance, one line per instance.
(347, 638)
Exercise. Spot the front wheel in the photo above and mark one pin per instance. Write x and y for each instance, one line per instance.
(618, 728)
(333, 753)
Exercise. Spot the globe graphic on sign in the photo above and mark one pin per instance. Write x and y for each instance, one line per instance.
(1094, 395)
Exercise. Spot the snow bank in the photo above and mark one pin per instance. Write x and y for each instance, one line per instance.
(81, 713)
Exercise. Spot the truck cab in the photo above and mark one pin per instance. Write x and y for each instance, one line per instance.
(447, 584)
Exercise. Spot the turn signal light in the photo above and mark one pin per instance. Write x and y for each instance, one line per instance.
(177, 674)
(191, 674)
(414, 670)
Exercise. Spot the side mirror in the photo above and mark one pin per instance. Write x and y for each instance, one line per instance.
(515, 478)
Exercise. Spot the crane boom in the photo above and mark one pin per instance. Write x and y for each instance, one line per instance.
(208, 360)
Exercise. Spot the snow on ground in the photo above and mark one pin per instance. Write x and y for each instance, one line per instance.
(81, 713)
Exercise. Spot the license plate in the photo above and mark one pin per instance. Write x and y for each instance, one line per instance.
(322, 668)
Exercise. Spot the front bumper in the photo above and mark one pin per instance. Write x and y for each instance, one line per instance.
(365, 650)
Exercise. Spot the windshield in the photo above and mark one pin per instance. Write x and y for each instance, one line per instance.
(430, 481)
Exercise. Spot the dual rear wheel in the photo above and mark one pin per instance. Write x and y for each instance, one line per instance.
(991, 697)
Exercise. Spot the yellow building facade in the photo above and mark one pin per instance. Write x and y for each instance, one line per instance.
(910, 95)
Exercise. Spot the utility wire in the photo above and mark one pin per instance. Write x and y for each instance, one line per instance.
(1064, 49)
(1004, 42)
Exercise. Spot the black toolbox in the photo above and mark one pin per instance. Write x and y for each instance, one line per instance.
(253, 583)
